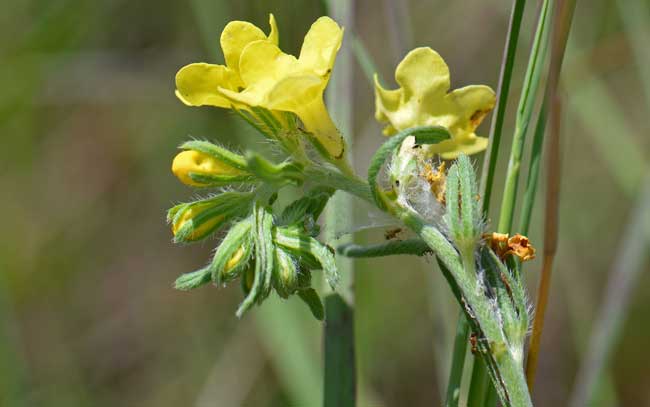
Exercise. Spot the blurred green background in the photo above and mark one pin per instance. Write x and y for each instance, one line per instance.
(89, 125)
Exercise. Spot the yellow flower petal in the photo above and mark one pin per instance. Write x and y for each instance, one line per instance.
(274, 35)
(196, 84)
(320, 46)
(474, 101)
(235, 37)
(293, 93)
(423, 72)
(262, 64)
(422, 99)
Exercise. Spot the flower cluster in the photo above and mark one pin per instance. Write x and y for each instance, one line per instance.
(264, 84)
(282, 97)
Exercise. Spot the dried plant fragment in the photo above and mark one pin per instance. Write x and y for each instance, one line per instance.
(517, 245)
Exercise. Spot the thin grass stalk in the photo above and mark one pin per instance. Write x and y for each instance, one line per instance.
(533, 170)
(340, 367)
(563, 17)
(505, 77)
(524, 113)
(479, 384)
(457, 362)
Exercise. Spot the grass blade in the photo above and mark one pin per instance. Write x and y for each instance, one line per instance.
(563, 16)
(524, 113)
(505, 77)
(340, 365)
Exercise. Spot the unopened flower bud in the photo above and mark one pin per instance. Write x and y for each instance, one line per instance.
(199, 169)
(196, 220)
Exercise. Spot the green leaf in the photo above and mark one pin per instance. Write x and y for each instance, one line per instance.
(311, 298)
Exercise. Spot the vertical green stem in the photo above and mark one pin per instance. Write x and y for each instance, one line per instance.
(505, 77)
(457, 361)
(479, 384)
(340, 382)
(524, 112)
(533, 170)
(340, 366)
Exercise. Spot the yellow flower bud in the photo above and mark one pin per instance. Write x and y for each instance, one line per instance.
(199, 231)
(234, 260)
(196, 162)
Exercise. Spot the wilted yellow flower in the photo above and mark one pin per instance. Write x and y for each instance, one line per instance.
(199, 163)
(437, 179)
(258, 74)
(423, 100)
(517, 245)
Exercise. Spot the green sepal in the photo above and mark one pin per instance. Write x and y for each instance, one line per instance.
(212, 180)
(288, 172)
(239, 236)
(313, 301)
(222, 154)
(285, 273)
(266, 118)
(189, 281)
(310, 205)
(264, 259)
(227, 206)
(306, 248)
(463, 217)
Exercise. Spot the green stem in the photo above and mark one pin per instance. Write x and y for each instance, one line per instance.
(503, 364)
(524, 112)
(340, 365)
(334, 179)
(415, 247)
(479, 384)
(505, 77)
(533, 170)
(457, 361)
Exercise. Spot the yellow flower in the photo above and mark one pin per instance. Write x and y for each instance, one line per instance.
(209, 168)
(258, 74)
(197, 84)
(423, 100)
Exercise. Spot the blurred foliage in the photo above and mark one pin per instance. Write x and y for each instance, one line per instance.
(89, 124)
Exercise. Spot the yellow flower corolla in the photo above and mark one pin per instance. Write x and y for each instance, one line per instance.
(200, 230)
(423, 99)
(191, 161)
(234, 260)
(197, 84)
(258, 74)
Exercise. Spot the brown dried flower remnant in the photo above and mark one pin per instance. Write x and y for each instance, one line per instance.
(437, 180)
(517, 245)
